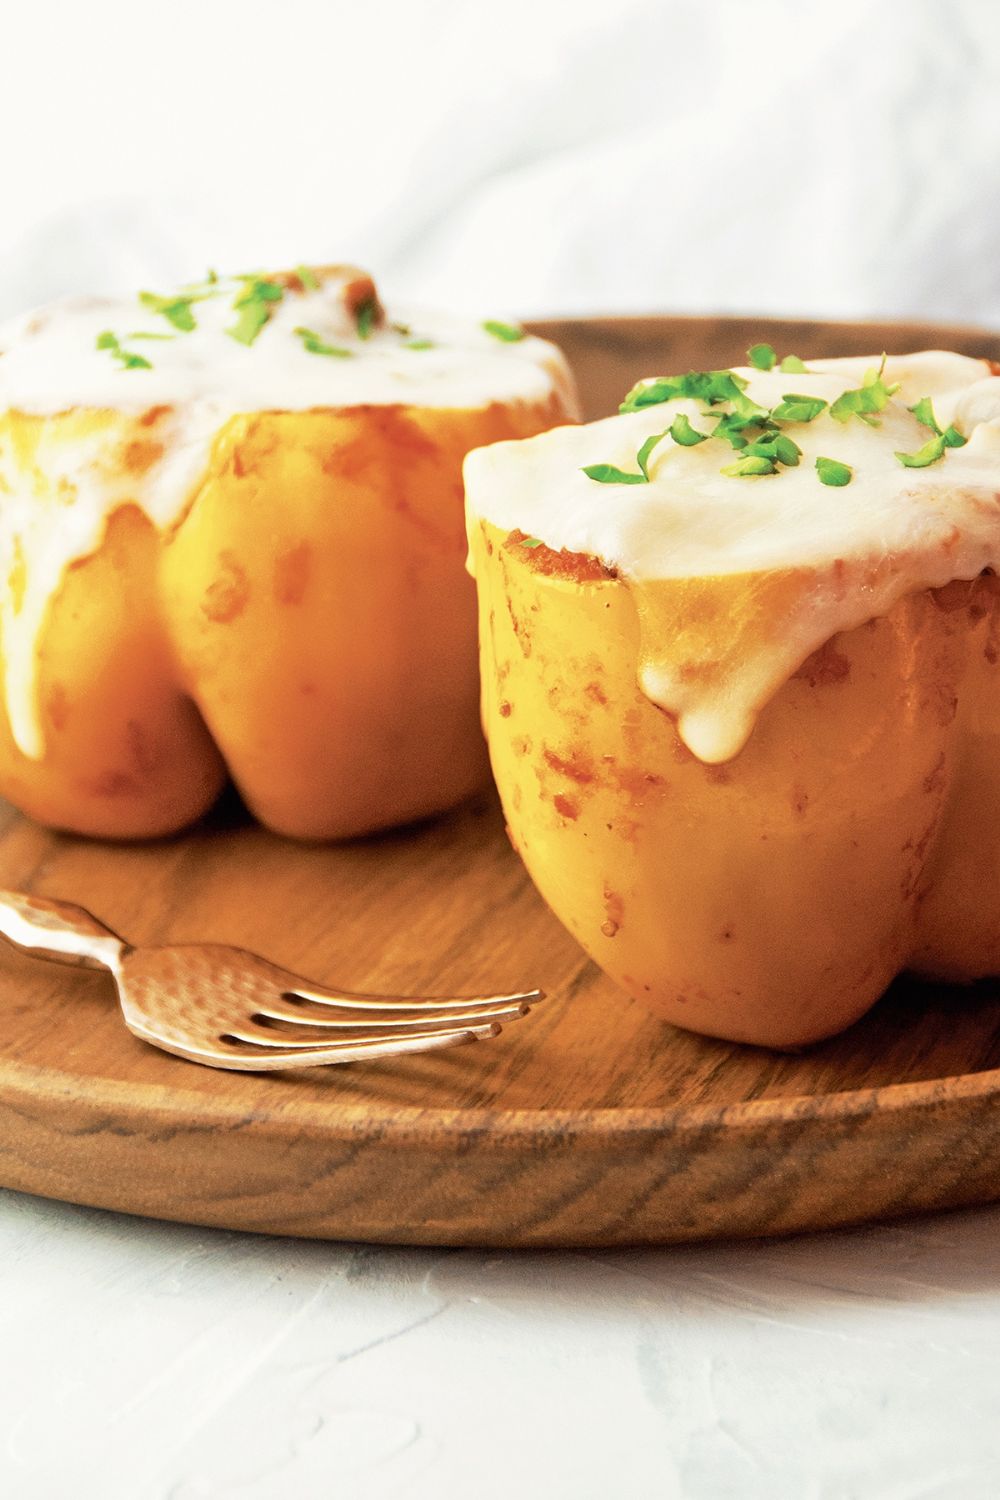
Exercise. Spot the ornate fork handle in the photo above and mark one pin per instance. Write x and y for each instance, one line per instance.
(60, 931)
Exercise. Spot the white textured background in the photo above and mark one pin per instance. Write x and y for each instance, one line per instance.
(156, 1362)
(519, 157)
(532, 156)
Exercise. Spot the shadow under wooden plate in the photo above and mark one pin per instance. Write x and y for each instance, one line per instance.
(589, 1123)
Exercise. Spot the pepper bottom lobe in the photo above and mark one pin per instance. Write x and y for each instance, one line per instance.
(769, 899)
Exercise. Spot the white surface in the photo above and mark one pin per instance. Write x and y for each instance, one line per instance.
(146, 1361)
(527, 157)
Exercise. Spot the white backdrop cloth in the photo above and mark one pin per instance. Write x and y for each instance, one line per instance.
(528, 157)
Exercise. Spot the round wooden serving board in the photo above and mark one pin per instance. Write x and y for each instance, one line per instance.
(588, 1123)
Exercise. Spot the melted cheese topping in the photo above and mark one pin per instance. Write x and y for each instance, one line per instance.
(61, 482)
(738, 580)
(50, 362)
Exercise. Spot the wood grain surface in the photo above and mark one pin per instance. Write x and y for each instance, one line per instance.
(586, 1124)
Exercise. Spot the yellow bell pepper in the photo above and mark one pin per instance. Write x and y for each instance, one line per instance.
(306, 627)
(772, 898)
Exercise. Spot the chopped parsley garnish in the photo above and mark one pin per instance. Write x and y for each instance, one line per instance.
(611, 474)
(929, 454)
(314, 343)
(143, 333)
(645, 453)
(508, 333)
(924, 413)
(933, 449)
(870, 398)
(749, 428)
(750, 468)
(685, 435)
(758, 435)
(762, 357)
(730, 427)
(127, 360)
(744, 407)
(364, 315)
(777, 447)
(834, 473)
(711, 386)
(308, 278)
(420, 344)
(531, 541)
(794, 408)
(176, 309)
(253, 307)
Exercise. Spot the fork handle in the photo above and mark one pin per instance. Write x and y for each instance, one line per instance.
(58, 930)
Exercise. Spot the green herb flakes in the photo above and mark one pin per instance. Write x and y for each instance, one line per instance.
(924, 413)
(710, 386)
(508, 333)
(176, 309)
(307, 276)
(834, 473)
(762, 357)
(950, 436)
(609, 474)
(929, 454)
(751, 467)
(870, 398)
(685, 435)
(785, 451)
(759, 437)
(314, 343)
(125, 358)
(645, 452)
(795, 408)
(253, 307)
(729, 428)
(932, 450)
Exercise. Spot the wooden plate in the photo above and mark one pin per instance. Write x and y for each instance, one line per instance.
(587, 1123)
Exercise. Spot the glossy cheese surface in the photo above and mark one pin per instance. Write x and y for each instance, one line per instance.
(772, 565)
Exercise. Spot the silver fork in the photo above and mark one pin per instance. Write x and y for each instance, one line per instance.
(228, 1008)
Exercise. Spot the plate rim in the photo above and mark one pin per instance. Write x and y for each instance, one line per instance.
(413, 1121)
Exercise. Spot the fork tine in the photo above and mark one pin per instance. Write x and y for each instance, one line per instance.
(280, 1041)
(235, 1060)
(412, 1017)
(347, 1000)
